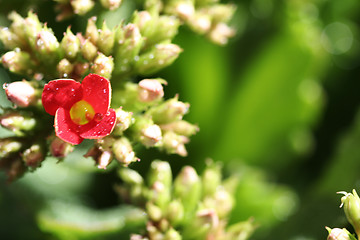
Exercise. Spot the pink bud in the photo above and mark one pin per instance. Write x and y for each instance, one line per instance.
(21, 93)
(150, 90)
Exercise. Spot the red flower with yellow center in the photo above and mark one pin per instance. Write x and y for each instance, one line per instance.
(81, 109)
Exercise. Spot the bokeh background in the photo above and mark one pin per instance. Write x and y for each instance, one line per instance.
(278, 106)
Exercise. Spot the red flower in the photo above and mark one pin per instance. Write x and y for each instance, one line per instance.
(81, 109)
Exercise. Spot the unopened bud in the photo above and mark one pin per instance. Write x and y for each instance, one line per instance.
(60, 148)
(241, 230)
(187, 188)
(47, 45)
(123, 151)
(175, 212)
(21, 93)
(32, 27)
(164, 28)
(81, 7)
(104, 160)
(221, 33)
(110, 4)
(92, 32)
(18, 26)
(338, 234)
(33, 156)
(130, 176)
(17, 122)
(181, 127)
(158, 57)
(9, 146)
(351, 204)
(211, 179)
(160, 171)
(221, 12)
(17, 62)
(172, 234)
(80, 69)
(89, 50)
(9, 39)
(151, 90)
(151, 135)
(65, 68)
(154, 212)
(123, 121)
(200, 22)
(173, 143)
(103, 66)
(129, 43)
(70, 44)
(206, 220)
(184, 9)
(106, 40)
(169, 111)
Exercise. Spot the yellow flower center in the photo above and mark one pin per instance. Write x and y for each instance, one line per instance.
(82, 112)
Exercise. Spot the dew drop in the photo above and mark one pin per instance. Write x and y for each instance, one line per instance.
(98, 117)
(5, 85)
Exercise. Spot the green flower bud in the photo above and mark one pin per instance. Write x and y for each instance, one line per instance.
(154, 212)
(89, 50)
(9, 39)
(172, 234)
(160, 171)
(33, 156)
(180, 127)
(47, 46)
(92, 31)
(351, 204)
(123, 151)
(174, 143)
(65, 68)
(206, 220)
(153, 6)
(200, 22)
(145, 22)
(17, 123)
(21, 93)
(106, 40)
(221, 12)
(221, 33)
(338, 234)
(165, 28)
(170, 111)
(110, 4)
(151, 90)
(70, 44)
(175, 212)
(103, 66)
(18, 27)
(221, 201)
(32, 27)
(158, 57)
(123, 121)
(146, 132)
(129, 42)
(18, 62)
(80, 70)
(130, 176)
(211, 179)
(81, 7)
(9, 146)
(187, 188)
(183, 9)
(205, 2)
(241, 230)
(60, 148)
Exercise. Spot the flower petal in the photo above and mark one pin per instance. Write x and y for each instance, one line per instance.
(99, 129)
(65, 128)
(97, 92)
(60, 93)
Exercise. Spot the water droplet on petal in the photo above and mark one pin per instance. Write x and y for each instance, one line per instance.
(5, 85)
(98, 117)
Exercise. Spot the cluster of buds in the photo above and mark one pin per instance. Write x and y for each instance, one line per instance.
(68, 8)
(351, 204)
(155, 122)
(208, 17)
(190, 207)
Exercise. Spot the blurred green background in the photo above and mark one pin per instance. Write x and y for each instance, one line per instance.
(278, 106)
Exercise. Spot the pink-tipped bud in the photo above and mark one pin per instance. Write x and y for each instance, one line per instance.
(221, 33)
(150, 90)
(151, 135)
(20, 93)
(60, 148)
(104, 160)
(338, 234)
